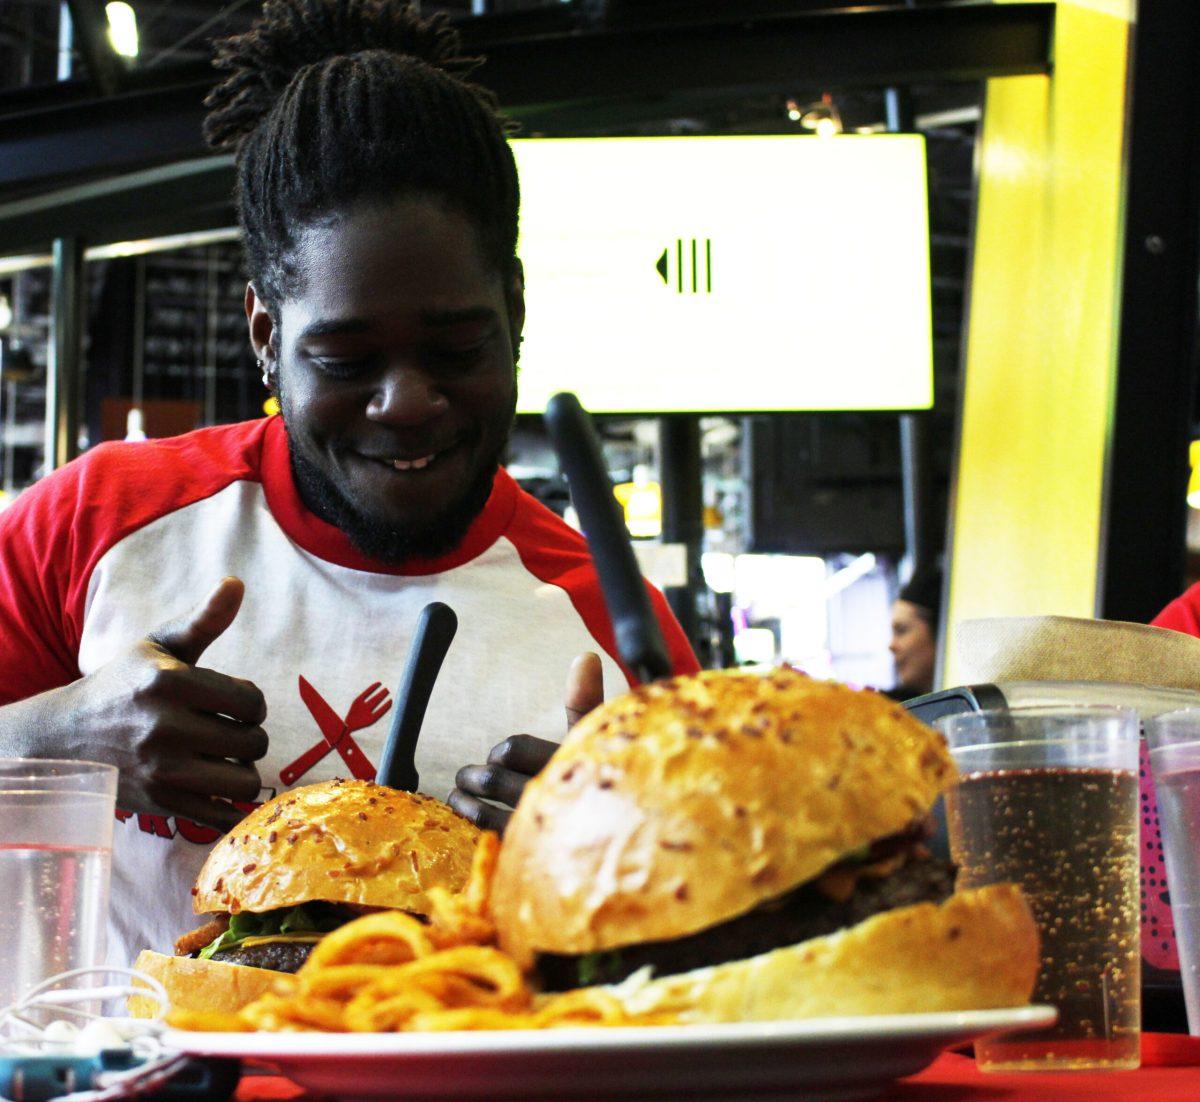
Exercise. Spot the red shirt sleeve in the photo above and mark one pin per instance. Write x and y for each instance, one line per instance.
(683, 660)
(54, 534)
(39, 635)
(1182, 614)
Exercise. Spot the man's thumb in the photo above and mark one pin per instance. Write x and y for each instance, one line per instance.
(189, 637)
(585, 687)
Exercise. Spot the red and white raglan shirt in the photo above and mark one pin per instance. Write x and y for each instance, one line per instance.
(129, 536)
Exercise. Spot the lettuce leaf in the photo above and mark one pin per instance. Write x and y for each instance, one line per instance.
(306, 918)
(593, 967)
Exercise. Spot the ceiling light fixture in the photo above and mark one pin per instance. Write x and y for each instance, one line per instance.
(122, 28)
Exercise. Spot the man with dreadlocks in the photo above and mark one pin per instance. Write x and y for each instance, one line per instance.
(378, 199)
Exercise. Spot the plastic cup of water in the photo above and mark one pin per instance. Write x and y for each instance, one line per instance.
(1174, 741)
(56, 825)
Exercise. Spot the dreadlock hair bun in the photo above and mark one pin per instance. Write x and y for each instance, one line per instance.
(292, 34)
(328, 103)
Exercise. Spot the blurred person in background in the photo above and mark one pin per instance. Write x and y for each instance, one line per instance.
(1183, 613)
(915, 617)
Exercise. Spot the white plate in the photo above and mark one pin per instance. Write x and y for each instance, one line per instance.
(827, 1058)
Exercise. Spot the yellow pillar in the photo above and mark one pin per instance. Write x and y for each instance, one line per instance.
(1026, 521)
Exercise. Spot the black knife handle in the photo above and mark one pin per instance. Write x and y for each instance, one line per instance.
(638, 635)
(435, 631)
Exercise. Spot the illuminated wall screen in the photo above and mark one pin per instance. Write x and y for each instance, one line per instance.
(726, 273)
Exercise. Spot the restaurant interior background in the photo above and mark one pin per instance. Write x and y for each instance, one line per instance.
(1049, 472)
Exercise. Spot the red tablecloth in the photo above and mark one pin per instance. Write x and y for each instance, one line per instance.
(1170, 1072)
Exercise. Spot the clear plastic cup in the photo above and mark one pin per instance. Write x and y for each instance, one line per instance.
(1174, 740)
(56, 824)
(1047, 799)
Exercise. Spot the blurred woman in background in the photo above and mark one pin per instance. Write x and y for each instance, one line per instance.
(915, 617)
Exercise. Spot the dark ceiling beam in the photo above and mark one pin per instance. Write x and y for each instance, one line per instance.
(843, 49)
(156, 118)
(93, 137)
(183, 197)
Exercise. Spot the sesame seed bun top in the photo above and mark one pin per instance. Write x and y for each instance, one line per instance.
(342, 841)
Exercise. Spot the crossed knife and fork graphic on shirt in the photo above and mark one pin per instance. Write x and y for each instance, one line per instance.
(371, 705)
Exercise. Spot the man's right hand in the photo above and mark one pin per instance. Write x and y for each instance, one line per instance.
(512, 763)
(183, 737)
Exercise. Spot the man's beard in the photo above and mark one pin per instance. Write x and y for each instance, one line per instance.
(376, 538)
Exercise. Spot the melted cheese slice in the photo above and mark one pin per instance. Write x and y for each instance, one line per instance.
(267, 939)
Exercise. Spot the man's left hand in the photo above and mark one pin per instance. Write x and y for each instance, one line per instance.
(512, 763)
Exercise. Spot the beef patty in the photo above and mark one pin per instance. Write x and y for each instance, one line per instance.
(807, 912)
(279, 956)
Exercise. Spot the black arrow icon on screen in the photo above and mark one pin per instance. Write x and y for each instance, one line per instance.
(693, 265)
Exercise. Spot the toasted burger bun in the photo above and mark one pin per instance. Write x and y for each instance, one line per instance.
(690, 801)
(200, 985)
(341, 841)
(976, 951)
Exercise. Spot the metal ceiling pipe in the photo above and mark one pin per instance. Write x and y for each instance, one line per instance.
(64, 371)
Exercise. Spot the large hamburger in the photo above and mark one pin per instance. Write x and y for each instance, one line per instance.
(730, 846)
(297, 867)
